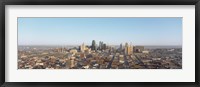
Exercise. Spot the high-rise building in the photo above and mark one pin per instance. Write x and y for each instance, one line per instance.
(128, 49)
(100, 45)
(104, 46)
(121, 47)
(93, 47)
(96, 47)
(82, 48)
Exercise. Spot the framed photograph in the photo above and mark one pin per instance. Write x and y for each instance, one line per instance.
(104, 42)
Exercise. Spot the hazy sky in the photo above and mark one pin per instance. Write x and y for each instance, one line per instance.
(113, 31)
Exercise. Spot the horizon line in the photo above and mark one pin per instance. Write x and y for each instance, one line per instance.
(108, 45)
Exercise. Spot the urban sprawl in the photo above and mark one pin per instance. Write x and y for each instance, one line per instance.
(101, 56)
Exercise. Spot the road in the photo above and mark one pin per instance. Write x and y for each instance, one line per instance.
(140, 61)
(126, 62)
(110, 63)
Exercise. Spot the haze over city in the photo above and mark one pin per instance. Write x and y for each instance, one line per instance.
(113, 31)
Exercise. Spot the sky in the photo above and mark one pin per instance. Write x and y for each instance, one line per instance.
(112, 31)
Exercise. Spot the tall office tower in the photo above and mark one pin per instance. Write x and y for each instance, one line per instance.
(82, 47)
(100, 45)
(95, 48)
(93, 45)
(126, 49)
(121, 48)
(130, 49)
(104, 46)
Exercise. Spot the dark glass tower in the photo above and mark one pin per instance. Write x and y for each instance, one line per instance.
(93, 47)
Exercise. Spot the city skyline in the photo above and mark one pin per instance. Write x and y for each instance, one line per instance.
(100, 56)
(112, 31)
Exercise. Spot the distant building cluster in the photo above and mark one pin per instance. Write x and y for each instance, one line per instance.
(101, 56)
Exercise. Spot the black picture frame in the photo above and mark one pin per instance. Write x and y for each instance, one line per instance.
(99, 2)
